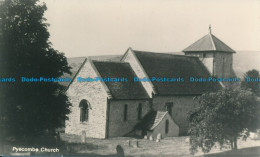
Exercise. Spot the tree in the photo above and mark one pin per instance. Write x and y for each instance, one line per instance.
(222, 117)
(250, 81)
(30, 108)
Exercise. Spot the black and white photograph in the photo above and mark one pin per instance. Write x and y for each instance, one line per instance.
(130, 78)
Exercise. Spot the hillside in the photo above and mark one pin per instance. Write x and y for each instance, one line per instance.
(246, 60)
(242, 62)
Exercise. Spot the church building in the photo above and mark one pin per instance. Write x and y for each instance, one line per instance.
(103, 109)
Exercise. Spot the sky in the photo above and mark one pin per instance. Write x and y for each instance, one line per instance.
(104, 27)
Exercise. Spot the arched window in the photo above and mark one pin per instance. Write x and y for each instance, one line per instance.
(125, 112)
(140, 111)
(84, 110)
(166, 126)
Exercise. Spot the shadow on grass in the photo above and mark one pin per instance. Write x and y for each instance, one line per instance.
(244, 152)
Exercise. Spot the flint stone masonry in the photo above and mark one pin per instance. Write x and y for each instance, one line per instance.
(117, 125)
(223, 64)
(208, 62)
(181, 106)
(95, 93)
(83, 137)
(173, 129)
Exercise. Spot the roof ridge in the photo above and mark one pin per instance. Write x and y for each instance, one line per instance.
(162, 53)
(105, 55)
(184, 56)
(150, 51)
(108, 61)
(109, 94)
(223, 43)
(156, 52)
(194, 43)
(212, 41)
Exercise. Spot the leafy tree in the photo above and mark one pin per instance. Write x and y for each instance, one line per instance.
(30, 108)
(223, 117)
(252, 85)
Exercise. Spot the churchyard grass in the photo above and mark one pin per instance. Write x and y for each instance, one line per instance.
(171, 146)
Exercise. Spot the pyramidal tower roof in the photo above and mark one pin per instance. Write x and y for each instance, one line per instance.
(209, 43)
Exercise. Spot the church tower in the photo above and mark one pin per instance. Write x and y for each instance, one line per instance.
(214, 54)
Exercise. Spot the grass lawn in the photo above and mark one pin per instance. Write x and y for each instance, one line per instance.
(174, 146)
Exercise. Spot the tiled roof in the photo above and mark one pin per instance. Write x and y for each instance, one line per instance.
(162, 65)
(106, 58)
(209, 43)
(76, 62)
(151, 120)
(158, 119)
(121, 90)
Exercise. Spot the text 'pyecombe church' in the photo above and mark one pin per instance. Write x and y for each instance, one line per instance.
(111, 109)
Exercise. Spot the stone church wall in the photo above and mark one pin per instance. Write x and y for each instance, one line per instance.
(117, 125)
(95, 93)
(173, 130)
(223, 64)
(219, 63)
(181, 106)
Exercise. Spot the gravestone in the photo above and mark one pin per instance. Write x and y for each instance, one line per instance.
(128, 143)
(83, 137)
(151, 138)
(187, 140)
(159, 136)
(135, 144)
(120, 151)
